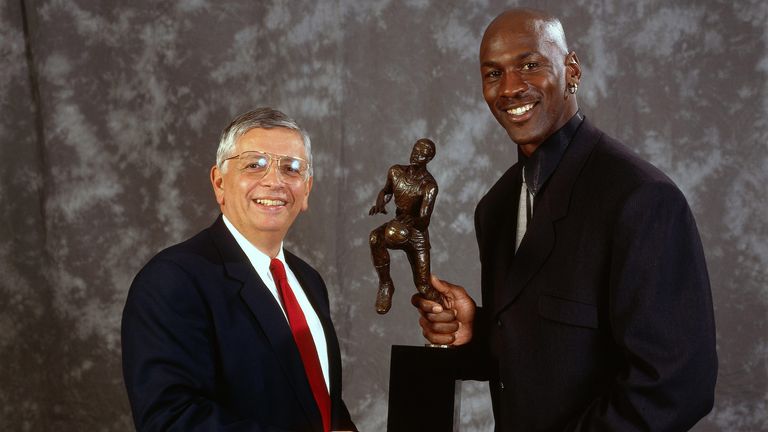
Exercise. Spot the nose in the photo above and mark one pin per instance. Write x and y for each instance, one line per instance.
(513, 84)
(272, 175)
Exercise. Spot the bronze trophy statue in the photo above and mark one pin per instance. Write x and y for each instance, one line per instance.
(412, 393)
(415, 191)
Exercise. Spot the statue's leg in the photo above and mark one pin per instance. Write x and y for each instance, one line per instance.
(418, 255)
(380, 257)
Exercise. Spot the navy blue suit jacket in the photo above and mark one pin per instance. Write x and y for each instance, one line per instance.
(207, 348)
(603, 318)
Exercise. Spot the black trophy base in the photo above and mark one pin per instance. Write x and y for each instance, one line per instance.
(424, 394)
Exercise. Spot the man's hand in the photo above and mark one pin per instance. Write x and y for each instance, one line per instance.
(449, 325)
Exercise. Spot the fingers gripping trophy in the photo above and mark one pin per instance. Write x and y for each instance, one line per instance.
(415, 191)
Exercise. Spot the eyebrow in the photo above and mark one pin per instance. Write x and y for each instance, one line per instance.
(519, 57)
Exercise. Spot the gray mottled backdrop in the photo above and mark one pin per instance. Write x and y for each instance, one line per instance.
(110, 111)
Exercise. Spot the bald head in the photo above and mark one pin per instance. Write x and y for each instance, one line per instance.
(547, 27)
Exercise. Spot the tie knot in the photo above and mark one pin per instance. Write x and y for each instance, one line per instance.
(277, 269)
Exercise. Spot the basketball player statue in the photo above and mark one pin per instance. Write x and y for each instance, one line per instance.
(415, 191)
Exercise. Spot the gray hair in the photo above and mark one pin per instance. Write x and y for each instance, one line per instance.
(264, 118)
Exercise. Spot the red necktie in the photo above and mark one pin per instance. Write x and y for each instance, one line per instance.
(304, 342)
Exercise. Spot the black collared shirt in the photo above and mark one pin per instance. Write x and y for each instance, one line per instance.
(542, 163)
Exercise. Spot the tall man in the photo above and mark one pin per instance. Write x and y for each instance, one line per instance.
(597, 311)
(228, 331)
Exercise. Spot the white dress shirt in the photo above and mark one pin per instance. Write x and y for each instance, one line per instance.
(260, 262)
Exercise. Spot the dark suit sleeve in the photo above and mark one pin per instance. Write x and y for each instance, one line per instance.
(474, 360)
(661, 318)
(342, 420)
(168, 359)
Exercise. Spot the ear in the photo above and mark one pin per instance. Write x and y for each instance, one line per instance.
(217, 180)
(572, 68)
(308, 186)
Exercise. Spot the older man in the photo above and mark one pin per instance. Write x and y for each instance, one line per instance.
(228, 331)
(597, 311)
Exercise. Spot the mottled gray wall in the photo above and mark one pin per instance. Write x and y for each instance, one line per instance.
(109, 117)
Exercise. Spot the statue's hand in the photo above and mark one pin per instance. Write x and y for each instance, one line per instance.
(378, 208)
(450, 324)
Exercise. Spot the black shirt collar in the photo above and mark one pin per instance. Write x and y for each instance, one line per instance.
(542, 163)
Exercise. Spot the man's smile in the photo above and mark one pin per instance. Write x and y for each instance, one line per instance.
(270, 202)
(518, 111)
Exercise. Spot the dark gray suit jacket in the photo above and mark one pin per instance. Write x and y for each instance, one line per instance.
(603, 319)
(207, 348)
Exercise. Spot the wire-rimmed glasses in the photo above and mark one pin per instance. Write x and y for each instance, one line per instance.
(257, 163)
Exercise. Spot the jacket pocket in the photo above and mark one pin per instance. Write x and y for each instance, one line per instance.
(568, 311)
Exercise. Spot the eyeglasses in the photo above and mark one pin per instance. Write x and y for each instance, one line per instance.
(256, 163)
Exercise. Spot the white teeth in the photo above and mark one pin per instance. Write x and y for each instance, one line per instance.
(520, 110)
(269, 202)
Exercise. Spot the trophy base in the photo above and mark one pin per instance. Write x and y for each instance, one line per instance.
(424, 394)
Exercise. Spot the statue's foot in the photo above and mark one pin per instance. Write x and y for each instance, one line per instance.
(384, 297)
(429, 293)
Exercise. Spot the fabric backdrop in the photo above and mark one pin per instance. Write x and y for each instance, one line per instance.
(109, 118)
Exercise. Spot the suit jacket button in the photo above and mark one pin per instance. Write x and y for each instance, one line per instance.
(498, 323)
(501, 385)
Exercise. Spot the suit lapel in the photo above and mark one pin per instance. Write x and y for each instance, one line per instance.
(317, 296)
(540, 237)
(311, 288)
(534, 249)
(499, 238)
(268, 314)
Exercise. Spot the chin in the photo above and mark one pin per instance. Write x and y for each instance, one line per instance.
(519, 137)
(525, 135)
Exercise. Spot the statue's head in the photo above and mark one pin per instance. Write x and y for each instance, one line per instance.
(423, 152)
